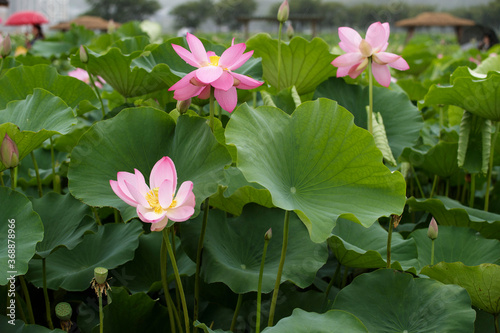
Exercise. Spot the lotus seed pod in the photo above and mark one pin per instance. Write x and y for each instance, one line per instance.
(100, 274)
(64, 311)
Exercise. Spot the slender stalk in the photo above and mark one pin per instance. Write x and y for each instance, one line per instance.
(464, 193)
(497, 328)
(236, 312)
(434, 185)
(415, 176)
(176, 306)
(97, 92)
(12, 179)
(46, 295)
(280, 269)
(279, 53)
(117, 216)
(447, 190)
(177, 278)
(472, 190)
(490, 169)
(1, 179)
(37, 172)
(254, 99)
(389, 242)
(164, 282)
(96, 215)
(441, 116)
(19, 306)
(53, 162)
(101, 314)
(370, 96)
(259, 286)
(332, 281)
(219, 112)
(432, 252)
(198, 260)
(212, 108)
(27, 298)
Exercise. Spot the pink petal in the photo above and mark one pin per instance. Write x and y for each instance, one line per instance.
(343, 71)
(121, 177)
(165, 194)
(205, 93)
(231, 55)
(348, 59)
(141, 200)
(227, 99)
(140, 183)
(197, 49)
(224, 82)
(149, 215)
(180, 214)
(211, 54)
(116, 188)
(386, 57)
(376, 36)
(184, 82)
(354, 72)
(183, 193)
(387, 33)
(400, 64)
(159, 226)
(240, 61)
(349, 39)
(208, 74)
(246, 82)
(382, 74)
(186, 55)
(187, 92)
(163, 170)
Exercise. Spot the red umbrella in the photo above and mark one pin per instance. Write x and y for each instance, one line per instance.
(26, 17)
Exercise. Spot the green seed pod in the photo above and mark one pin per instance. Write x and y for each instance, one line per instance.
(64, 311)
(100, 274)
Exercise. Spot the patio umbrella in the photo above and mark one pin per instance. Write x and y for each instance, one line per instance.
(26, 17)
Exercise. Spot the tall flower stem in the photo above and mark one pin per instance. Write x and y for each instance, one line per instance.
(198, 260)
(497, 328)
(46, 295)
(434, 185)
(472, 190)
(236, 312)
(332, 281)
(37, 172)
(259, 286)
(279, 53)
(177, 278)
(97, 92)
(1, 179)
(415, 176)
(389, 242)
(27, 297)
(56, 187)
(212, 108)
(280, 268)
(164, 282)
(101, 314)
(432, 252)
(370, 96)
(490, 168)
(13, 178)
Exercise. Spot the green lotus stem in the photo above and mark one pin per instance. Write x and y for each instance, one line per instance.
(254, 99)
(177, 277)
(46, 295)
(96, 215)
(434, 185)
(441, 116)
(279, 53)
(280, 269)
(236, 312)
(101, 314)
(53, 162)
(37, 172)
(18, 304)
(497, 328)
(370, 96)
(13, 179)
(259, 286)
(177, 297)
(97, 92)
(1, 179)
(415, 176)
(27, 298)
(389, 242)
(212, 108)
(164, 282)
(116, 214)
(219, 112)
(432, 252)
(472, 190)
(490, 168)
(198, 259)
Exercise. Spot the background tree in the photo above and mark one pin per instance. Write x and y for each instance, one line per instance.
(226, 12)
(192, 13)
(123, 10)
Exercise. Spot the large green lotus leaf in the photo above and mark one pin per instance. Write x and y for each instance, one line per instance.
(482, 282)
(402, 120)
(20, 327)
(415, 89)
(132, 44)
(357, 246)
(27, 232)
(65, 221)
(456, 244)
(143, 273)
(304, 64)
(331, 321)
(134, 313)
(111, 246)
(236, 192)
(440, 160)
(117, 70)
(138, 138)
(452, 213)
(233, 249)
(19, 82)
(389, 301)
(317, 163)
(471, 91)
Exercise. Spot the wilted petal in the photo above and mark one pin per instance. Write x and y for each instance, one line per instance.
(165, 194)
(231, 55)
(237, 64)
(227, 99)
(197, 49)
(348, 59)
(376, 35)
(208, 74)
(149, 215)
(224, 82)
(186, 55)
(180, 214)
(163, 170)
(349, 39)
(246, 82)
(382, 74)
(400, 64)
(116, 188)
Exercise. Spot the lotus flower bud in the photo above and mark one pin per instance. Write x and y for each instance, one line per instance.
(290, 32)
(283, 12)
(183, 106)
(84, 56)
(111, 26)
(432, 232)
(64, 311)
(9, 152)
(6, 46)
(100, 275)
(269, 234)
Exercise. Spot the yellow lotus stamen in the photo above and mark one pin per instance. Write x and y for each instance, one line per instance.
(152, 198)
(173, 204)
(214, 60)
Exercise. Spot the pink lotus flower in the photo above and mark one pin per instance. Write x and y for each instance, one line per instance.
(360, 51)
(83, 75)
(213, 71)
(158, 202)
